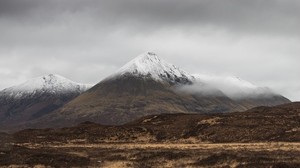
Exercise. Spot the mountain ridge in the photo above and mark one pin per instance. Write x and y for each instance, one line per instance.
(146, 85)
(51, 83)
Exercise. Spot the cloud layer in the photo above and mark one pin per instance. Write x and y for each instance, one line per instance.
(86, 40)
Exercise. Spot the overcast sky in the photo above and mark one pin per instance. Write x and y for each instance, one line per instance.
(86, 40)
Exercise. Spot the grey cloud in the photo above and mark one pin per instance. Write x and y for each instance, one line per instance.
(267, 16)
(86, 40)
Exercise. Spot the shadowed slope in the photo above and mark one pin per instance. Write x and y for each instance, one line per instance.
(35, 98)
(261, 124)
(123, 99)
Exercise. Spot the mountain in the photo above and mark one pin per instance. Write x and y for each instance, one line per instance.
(35, 98)
(147, 85)
(149, 65)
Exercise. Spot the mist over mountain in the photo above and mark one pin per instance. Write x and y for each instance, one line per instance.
(231, 86)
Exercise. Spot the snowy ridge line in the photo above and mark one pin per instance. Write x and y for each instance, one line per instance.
(150, 65)
(52, 83)
(146, 65)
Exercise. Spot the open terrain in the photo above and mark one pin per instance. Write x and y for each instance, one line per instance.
(260, 137)
(154, 155)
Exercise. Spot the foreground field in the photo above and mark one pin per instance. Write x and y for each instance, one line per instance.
(278, 154)
(261, 137)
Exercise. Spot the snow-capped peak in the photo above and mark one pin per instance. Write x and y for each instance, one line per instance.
(150, 65)
(51, 83)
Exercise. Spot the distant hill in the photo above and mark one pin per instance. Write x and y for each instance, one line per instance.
(261, 124)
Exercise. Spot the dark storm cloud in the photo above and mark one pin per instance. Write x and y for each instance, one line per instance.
(233, 15)
(257, 40)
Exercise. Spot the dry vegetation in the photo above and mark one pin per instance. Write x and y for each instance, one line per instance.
(261, 137)
(153, 155)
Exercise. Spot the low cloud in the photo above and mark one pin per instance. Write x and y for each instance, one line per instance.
(230, 86)
(199, 88)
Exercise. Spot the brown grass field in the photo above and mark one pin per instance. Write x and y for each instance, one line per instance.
(261, 137)
(276, 154)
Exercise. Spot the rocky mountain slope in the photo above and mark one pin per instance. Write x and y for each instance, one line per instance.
(36, 98)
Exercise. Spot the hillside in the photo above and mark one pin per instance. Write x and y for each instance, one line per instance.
(261, 124)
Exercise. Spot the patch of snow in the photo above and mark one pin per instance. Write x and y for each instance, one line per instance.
(150, 65)
(52, 83)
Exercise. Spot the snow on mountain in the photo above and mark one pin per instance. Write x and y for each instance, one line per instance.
(52, 83)
(233, 87)
(150, 65)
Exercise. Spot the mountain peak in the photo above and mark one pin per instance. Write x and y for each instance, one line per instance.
(144, 60)
(150, 65)
(52, 79)
(148, 56)
(51, 83)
